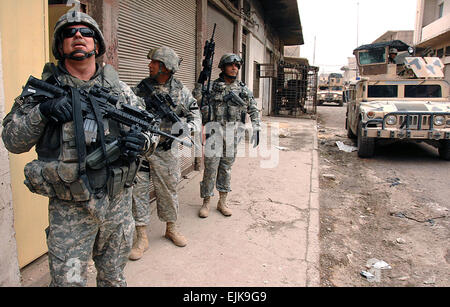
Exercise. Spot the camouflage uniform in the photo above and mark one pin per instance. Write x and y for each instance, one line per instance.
(81, 226)
(164, 164)
(217, 170)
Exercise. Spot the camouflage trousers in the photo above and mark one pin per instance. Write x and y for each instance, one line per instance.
(165, 174)
(75, 236)
(141, 199)
(217, 171)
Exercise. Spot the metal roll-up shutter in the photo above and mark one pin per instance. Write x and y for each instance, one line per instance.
(147, 24)
(224, 36)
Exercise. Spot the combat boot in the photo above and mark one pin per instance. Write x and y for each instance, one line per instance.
(172, 233)
(140, 245)
(204, 210)
(222, 204)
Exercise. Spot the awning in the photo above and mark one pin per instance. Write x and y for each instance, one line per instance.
(284, 16)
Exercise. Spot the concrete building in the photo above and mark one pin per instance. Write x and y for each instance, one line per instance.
(432, 30)
(350, 71)
(405, 36)
(257, 30)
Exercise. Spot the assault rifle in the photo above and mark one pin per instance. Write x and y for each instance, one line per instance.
(105, 101)
(161, 104)
(205, 74)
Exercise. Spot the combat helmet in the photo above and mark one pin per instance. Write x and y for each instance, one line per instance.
(167, 56)
(229, 58)
(76, 18)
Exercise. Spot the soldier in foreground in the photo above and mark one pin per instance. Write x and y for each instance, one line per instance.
(230, 101)
(89, 208)
(164, 165)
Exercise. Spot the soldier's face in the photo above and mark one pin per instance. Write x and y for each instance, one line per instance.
(78, 43)
(153, 67)
(232, 69)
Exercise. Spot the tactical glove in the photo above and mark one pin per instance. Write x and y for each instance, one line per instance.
(255, 138)
(133, 144)
(59, 110)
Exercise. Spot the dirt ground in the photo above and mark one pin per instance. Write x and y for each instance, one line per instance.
(367, 213)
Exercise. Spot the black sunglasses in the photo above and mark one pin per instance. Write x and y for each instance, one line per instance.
(85, 32)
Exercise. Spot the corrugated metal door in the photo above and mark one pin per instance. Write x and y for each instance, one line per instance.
(147, 24)
(224, 36)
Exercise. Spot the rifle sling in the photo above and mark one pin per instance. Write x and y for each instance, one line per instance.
(80, 137)
(101, 134)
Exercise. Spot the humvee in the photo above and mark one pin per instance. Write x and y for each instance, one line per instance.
(408, 100)
(327, 93)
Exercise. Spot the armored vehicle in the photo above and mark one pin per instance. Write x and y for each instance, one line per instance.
(406, 100)
(330, 94)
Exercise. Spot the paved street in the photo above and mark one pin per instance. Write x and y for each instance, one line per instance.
(392, 207)
(271, 239)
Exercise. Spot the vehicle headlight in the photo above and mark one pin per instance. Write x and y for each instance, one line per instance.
(439, 120)
(335, 95)
(391, 120)
(370, 114)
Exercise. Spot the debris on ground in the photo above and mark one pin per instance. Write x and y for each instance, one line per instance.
(346, 148)
(394, 181)
(282, 148)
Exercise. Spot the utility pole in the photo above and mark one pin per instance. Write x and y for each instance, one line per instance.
(314, 55)
(357, 24)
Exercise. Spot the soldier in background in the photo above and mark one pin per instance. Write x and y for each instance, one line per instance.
(223, 111)
(163, 166)
(392, 55)
(83, 223)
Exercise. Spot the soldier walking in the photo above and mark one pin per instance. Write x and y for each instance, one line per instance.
(163, 165)
(87, 218)
(225, 109)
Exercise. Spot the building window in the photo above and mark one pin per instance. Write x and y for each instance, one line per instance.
(447, 51)
(440, 53)
(441, 10)
(256, 69)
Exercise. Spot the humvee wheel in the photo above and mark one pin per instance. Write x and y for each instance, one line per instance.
(350, 133)
(444, 150)
(366, 145)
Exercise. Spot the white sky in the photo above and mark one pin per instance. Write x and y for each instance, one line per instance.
(333, 23)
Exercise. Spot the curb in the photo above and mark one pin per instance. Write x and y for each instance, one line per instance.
(313, 244)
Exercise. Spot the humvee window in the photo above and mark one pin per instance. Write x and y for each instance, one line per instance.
(323, 88)
(423, 91)
(374, 56)
(383, 91)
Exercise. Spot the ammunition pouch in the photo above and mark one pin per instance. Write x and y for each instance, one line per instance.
(56, 179)
(205, 112)
(61, 180)
(120, 178)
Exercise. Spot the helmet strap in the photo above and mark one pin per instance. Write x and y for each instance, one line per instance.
(86, 55)
(230, 77)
